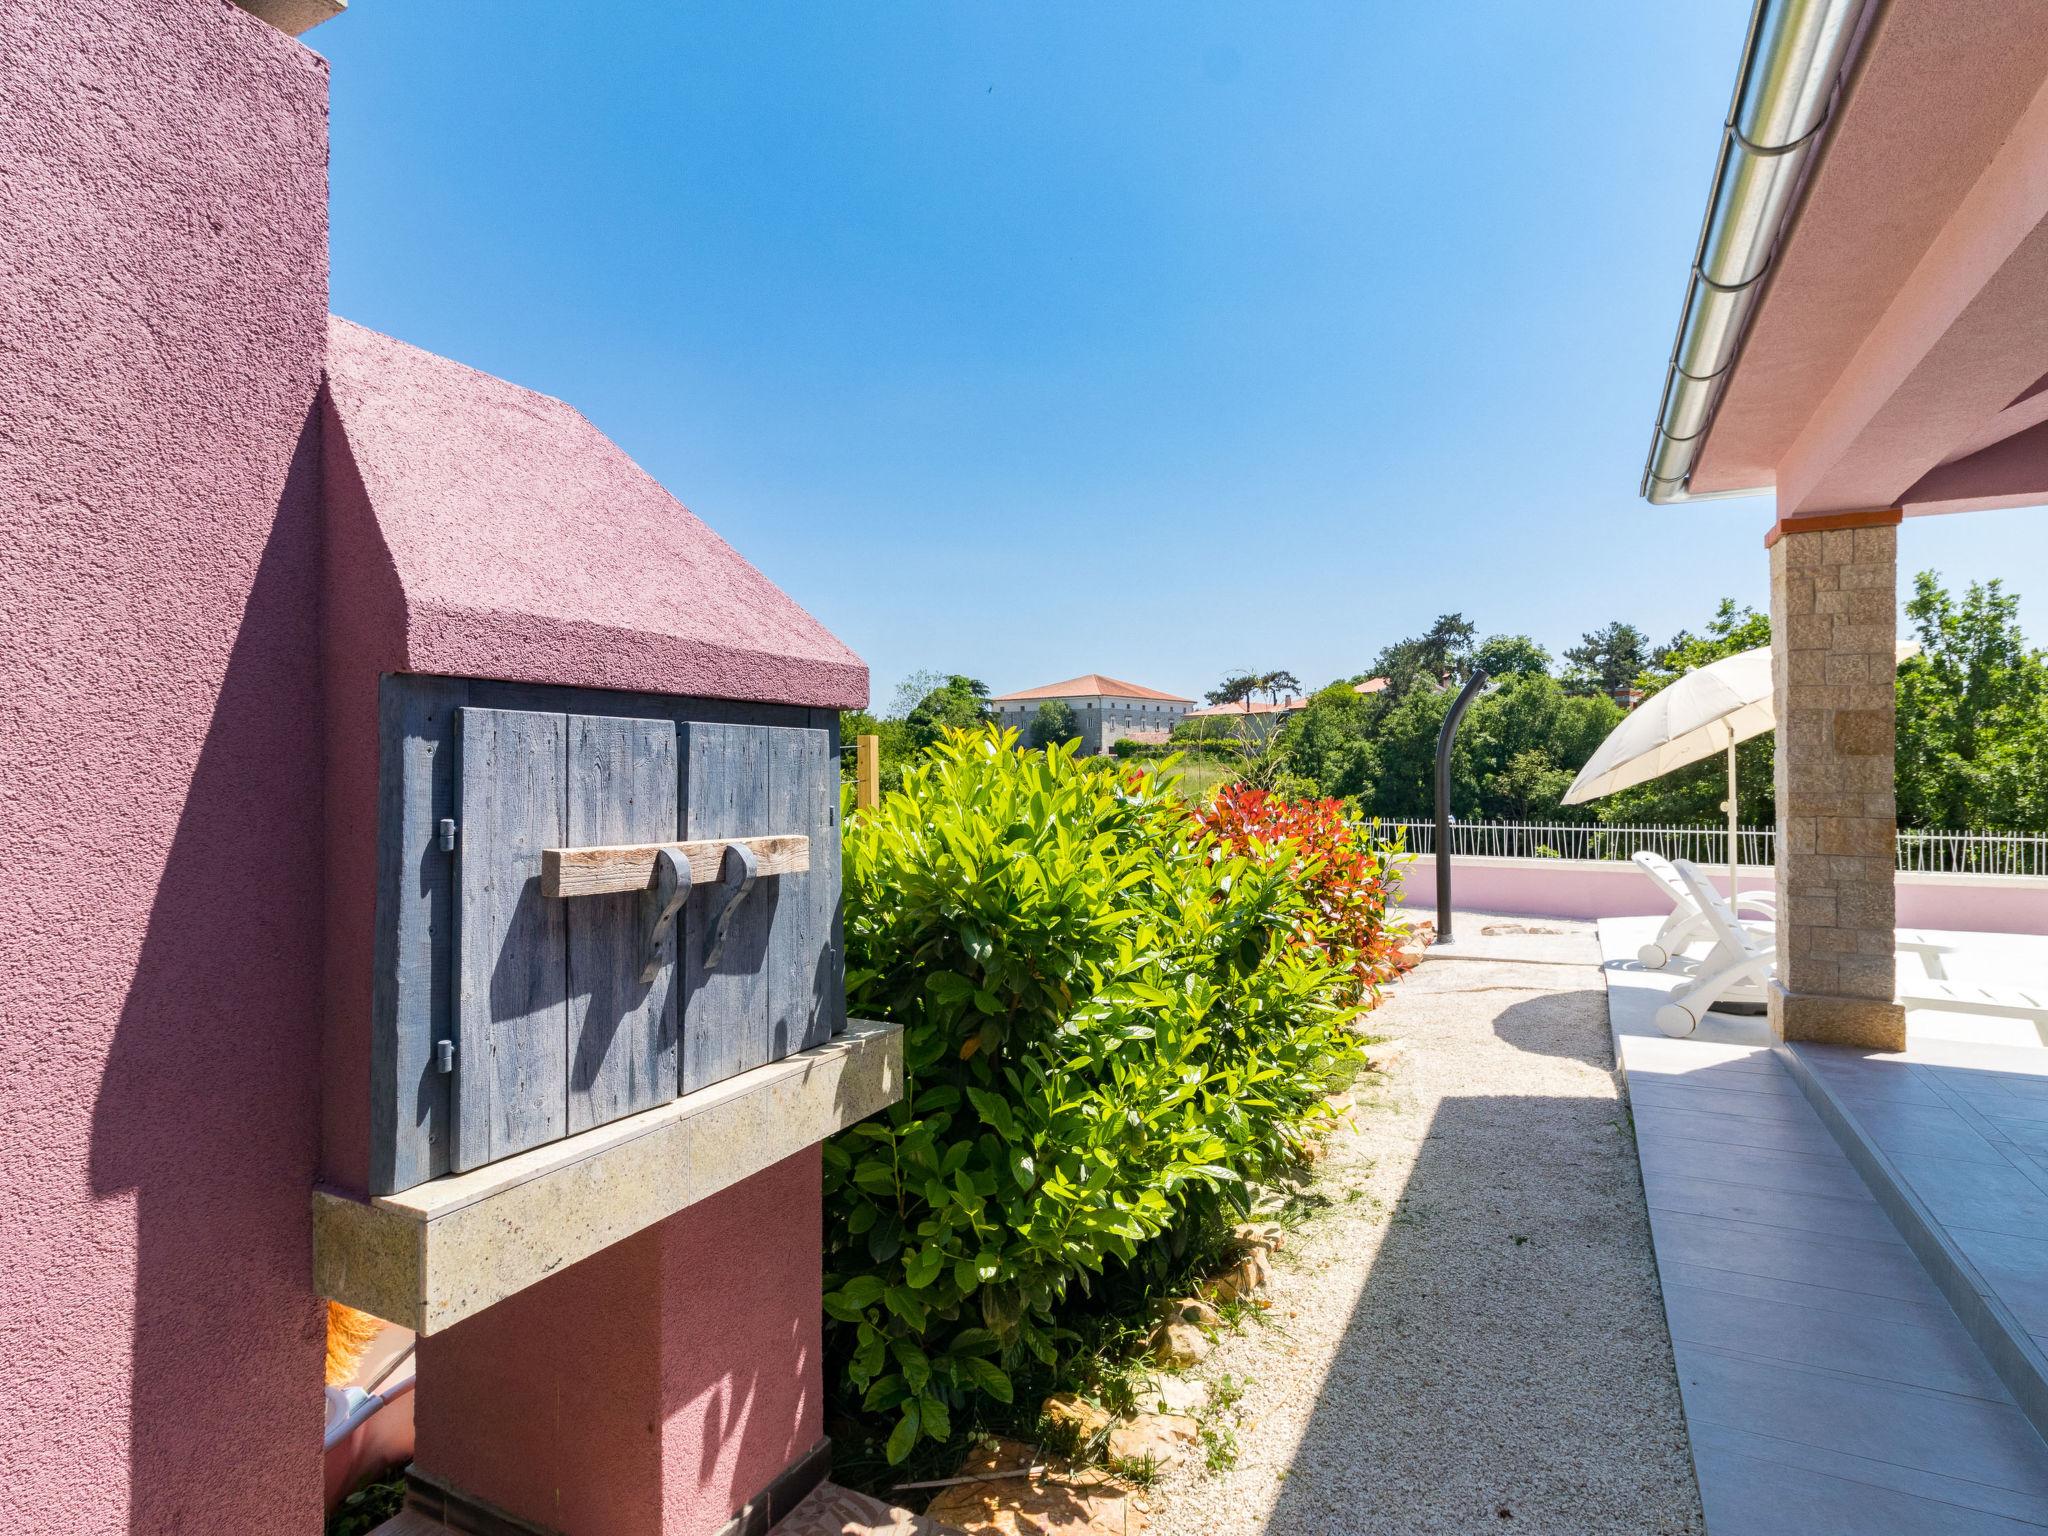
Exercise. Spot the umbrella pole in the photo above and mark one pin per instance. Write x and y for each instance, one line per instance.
(1734, 825)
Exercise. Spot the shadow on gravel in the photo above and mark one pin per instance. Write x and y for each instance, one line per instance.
(1555, 1024)
(1507, 1367)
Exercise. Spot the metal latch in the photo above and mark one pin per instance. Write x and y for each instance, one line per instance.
(662, 898)
(736, 872)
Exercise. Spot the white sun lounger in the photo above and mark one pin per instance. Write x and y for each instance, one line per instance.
(1742, 958)
(1686, 925)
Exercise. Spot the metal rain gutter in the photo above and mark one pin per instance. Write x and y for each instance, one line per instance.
(1793, 65)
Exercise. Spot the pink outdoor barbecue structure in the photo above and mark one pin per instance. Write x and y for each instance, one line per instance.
(317, 650)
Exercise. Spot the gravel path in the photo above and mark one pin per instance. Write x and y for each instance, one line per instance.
(1470, 1336)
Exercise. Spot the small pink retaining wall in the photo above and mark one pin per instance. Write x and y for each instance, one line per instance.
(1587, 889)
(163, 304)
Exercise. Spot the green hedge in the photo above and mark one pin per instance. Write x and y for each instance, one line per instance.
(1224, 749)
(1107, 1021)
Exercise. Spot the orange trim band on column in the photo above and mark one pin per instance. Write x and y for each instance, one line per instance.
(1833, 522)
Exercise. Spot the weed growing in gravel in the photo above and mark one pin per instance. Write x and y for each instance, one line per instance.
(1139, 1471)
(1219, 1447)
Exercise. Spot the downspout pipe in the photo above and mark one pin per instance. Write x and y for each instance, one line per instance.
(1795, 61)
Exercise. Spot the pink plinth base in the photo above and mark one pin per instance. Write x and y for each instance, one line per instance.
(651, 1389)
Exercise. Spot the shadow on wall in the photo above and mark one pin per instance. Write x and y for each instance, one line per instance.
(208, 1109)
(1507, 1365)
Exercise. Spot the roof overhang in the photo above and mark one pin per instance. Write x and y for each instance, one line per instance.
(1897, 356)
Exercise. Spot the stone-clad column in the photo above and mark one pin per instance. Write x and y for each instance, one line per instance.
(1834, 623)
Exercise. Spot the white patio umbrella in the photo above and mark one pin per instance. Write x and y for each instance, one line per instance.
(1706, 711)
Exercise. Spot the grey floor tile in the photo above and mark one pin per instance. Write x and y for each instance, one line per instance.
(2029, 1509)
(1838, 1263)
(1749, 1496)
(1935, 1354)
(1893, 1080)
(1854, 1215)
(2022, 1100)
(2014, 1267)
(1931, 1130)
(1763, 1289)
(2029, 1136)
(1734, 1130)
(1991, 1198)
(1936, 1432)
(1805, 1173)
(1781, 1108)
(1732, 1077)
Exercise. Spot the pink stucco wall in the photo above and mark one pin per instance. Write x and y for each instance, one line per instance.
(163, 304)
(196, 599)
(1587, 889)
(655, 1386)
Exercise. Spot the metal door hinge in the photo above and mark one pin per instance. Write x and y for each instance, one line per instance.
(444, 1055)
(447, 834)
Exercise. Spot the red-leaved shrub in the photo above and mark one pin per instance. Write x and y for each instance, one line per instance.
(1346, 872)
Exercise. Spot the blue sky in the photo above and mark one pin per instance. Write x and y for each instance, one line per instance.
(1153, 339)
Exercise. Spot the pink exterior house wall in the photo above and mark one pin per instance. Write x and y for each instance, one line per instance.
(163, 300)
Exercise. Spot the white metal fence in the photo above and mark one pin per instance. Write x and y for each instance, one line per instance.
(1973, 853)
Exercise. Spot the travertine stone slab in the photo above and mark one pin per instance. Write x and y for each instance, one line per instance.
(441, 1251)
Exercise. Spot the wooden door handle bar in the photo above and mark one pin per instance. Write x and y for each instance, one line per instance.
(630, 866)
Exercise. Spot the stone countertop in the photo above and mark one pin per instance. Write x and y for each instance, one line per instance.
(432, 1255)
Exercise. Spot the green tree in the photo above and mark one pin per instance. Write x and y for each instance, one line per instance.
(959, 703)
(1237, 688)
(1330, 743)
(1279, 685)
(1525, 742)
(1054, 723)
(1511, 656)
(1514, 757)
(1732, 629)
(1443, 654)
(1607, 660)
(1407, 757)
(1973, 714)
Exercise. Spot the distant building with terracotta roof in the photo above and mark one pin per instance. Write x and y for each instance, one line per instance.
(1285, 706)
(1106, 709)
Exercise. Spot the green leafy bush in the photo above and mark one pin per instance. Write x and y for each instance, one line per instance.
(1107, 1021)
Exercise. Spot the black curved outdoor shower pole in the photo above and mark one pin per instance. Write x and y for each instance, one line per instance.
(1444, 739)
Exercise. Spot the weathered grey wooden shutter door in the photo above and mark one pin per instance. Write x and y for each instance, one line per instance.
(511, 942)
(725, 1008)
(622, 1036)
(801, 976)
(777, 987)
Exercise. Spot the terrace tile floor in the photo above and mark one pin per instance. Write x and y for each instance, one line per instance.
(1829, 1383)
